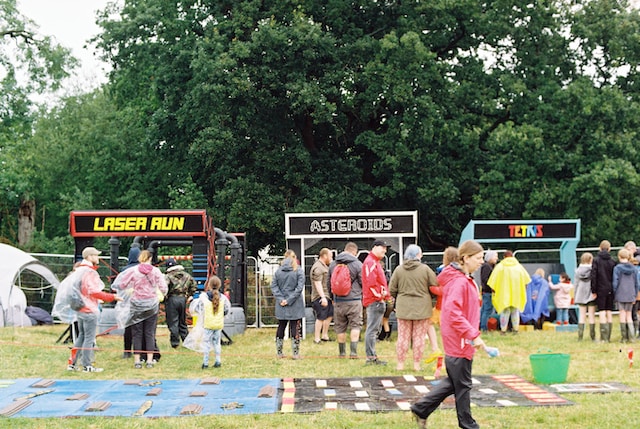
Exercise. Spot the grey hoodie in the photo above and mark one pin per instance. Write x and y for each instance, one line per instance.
(355, 269)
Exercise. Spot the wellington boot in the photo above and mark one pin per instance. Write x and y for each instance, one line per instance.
(630, 333)
(609, 329)
(295, 348)
(624, 334)
(580, 331)
(279, 344)
(603, 333)
(592, 331)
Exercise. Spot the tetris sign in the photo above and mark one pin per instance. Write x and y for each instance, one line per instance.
(522, 231)
(150, 223)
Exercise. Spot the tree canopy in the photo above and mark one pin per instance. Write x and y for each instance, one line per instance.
(459, 110)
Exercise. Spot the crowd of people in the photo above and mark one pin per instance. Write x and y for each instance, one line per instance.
(463, 308)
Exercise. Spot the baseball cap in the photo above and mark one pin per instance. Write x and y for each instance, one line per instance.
(88, 251)
(380, 243)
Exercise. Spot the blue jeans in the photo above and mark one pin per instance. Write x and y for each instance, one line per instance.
(486, 311)
(211, 338)
(375, 312)
(86, 340)
(562, 315)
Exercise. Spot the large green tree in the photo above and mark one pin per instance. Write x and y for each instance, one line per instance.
(30, 64)
(457, 109)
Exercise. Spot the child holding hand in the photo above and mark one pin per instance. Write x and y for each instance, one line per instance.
(562, 298)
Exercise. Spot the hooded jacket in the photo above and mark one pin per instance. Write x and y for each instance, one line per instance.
(602, 274)
(288, 284)
(509, 280)
(409, 285)
(373, 279)
(625, 282)
(444, 277)
(460, 316)
(355, 269)
(144, 278)
(582, 282)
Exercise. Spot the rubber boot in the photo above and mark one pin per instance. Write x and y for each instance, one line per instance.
(609, 329)
(295, 348)
(636, 326)
(630, 332)
(342, 349)
(592, 331)
(603, 332)
(623, 333)
(580, 331)
(354, 350)
(279, 344)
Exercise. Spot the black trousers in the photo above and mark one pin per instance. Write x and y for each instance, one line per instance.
(175, 308)
(458, 382)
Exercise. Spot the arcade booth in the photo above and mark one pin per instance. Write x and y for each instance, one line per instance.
(533, 234)
(213, 251)
(307, 233)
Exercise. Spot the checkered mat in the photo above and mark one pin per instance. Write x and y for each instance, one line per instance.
(398, 393)
(149, 398)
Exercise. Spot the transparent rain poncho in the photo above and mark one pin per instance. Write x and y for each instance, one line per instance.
(61, 306)
(195, 340)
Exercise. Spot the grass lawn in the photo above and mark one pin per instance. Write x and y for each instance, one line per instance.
(33, 353)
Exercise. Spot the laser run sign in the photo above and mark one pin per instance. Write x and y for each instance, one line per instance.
(158, 223)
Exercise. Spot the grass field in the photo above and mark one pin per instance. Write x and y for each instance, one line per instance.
(33, 352)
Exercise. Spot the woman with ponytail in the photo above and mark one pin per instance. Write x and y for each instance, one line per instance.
(215, 307)
(460, 320)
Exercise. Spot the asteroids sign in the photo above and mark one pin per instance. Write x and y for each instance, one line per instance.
(158, 223)
(351, 224)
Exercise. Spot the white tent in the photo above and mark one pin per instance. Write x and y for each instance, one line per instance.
(13, 301)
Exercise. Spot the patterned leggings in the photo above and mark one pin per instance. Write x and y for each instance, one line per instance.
(510, 313)
(411, 332)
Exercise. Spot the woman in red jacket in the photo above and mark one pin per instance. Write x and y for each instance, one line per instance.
(460, 338)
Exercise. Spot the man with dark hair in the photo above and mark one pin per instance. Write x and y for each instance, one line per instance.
(375, 294)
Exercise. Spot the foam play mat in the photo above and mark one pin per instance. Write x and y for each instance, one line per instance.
(399, 392)
(149, 398)
(213, 395)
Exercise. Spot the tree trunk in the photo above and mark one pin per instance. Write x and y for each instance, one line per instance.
(26, 221)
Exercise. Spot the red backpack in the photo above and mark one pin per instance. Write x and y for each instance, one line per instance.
(341, 280)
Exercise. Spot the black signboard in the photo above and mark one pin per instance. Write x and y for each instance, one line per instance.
(123, 223)
(352, 224)
(524, 230)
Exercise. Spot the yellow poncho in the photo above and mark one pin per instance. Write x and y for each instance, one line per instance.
(509, 280)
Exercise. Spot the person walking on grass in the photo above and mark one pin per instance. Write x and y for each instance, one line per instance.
(460, 338)
(602, 288)
(288, 288)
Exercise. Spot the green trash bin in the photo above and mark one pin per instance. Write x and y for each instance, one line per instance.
(549, 368)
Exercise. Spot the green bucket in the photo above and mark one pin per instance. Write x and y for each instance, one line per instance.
(549, 368)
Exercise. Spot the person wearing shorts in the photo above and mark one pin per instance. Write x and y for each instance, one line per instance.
(347, 310)
(320, 299)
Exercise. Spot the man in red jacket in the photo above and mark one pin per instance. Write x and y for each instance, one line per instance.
(375, 293)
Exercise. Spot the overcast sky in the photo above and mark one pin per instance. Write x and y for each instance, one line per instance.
(71, 23)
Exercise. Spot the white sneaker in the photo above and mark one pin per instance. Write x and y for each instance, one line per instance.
(91, 368)
(71, 367)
